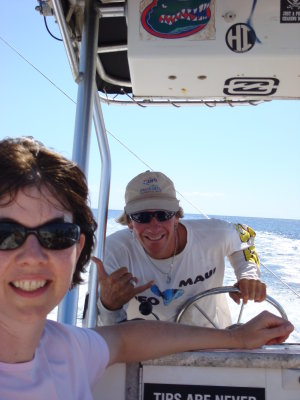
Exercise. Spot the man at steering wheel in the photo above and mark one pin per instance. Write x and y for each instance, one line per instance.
(165, 260)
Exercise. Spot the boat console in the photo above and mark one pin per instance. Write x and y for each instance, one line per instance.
(269, 373)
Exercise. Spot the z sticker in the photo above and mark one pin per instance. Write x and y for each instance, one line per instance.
(173, 19)
(251, 86)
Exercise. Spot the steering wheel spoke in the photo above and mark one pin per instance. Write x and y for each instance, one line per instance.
(214, 291)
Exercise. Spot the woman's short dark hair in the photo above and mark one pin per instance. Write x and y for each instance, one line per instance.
(25, 162)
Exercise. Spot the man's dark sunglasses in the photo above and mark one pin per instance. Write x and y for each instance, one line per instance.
(144, 217)
(51, 236)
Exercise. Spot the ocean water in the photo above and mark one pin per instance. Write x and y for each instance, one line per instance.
(278, 244)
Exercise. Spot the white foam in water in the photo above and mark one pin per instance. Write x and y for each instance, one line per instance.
(282, 256)
(278, 253)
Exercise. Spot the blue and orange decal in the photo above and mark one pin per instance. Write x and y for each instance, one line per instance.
(173, 19)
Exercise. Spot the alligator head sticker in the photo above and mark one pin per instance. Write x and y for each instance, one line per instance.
(172, 19)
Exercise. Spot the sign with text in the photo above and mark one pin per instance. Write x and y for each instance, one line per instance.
(290, 11)
(160, 391)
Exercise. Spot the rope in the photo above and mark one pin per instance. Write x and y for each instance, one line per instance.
(284, 283)
(28, 62)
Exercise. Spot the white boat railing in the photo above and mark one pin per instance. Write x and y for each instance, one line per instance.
(88, 105)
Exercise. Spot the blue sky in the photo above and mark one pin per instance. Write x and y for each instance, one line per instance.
(225, 161)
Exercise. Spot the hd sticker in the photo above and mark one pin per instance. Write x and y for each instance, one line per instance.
(241, 37)
(175, 19)
(250, 86)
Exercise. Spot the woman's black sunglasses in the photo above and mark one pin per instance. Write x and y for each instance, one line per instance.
(144, 217)
(51, 236)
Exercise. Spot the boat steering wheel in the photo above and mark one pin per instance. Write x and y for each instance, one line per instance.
(223, 289)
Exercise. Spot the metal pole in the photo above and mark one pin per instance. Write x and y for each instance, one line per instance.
(58, 11)
(90, 320)
(67, 311)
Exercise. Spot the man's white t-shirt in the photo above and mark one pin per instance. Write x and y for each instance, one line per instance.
(67, 363)
(200, 266)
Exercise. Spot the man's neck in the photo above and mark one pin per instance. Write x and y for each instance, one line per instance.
(181, 238)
